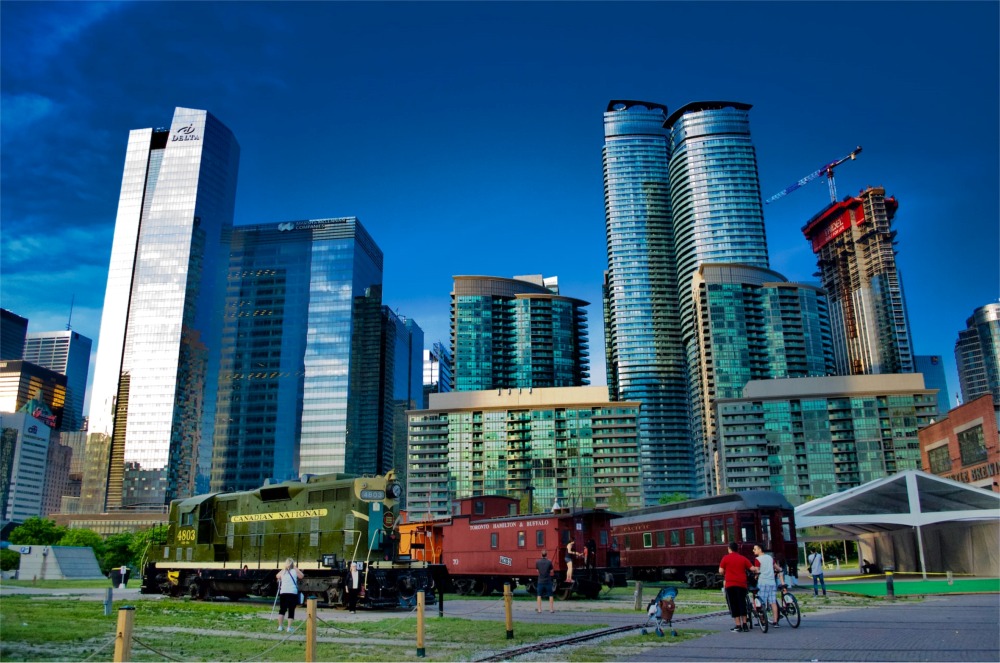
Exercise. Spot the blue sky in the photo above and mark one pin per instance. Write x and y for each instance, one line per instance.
(467, 137)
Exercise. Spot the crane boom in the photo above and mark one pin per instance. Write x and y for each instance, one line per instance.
(828, 169)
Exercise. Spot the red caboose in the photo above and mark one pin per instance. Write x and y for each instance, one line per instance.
(484, 547)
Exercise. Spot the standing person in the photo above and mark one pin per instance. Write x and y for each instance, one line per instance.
(353, 587)
(571, 555)
(545, 574)
(734, 567)
(288, 593)
(816, 571)
(765, 567)
(591, 553)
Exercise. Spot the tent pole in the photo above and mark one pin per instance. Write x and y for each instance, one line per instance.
(920, 547)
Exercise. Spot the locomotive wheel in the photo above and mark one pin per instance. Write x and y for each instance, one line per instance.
(564, 594)
(483, 588)
(193, 591)
(463, 587)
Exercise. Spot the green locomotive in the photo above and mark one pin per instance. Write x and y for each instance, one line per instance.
(233, 544)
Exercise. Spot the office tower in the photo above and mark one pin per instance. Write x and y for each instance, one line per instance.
(645, 357)
(517, 333)
(24, 445)
(22, 381)
(932, 368)
(810, 437)
(158, 354)
(569, 444)
(57, 466)
(13, 329)
(66, 352)
(402, 388)
(752, 324)
(437, 371)
(854, 244)
(977, 354)
(299, 386)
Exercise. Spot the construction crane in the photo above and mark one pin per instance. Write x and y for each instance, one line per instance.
(828, 169)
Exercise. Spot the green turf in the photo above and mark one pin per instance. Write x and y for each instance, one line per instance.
(911, 587)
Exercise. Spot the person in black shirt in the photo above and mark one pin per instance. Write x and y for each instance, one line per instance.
(544, 566)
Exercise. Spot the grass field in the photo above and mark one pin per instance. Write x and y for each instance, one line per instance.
(918, 587)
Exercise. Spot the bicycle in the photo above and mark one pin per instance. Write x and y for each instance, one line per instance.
(756, 609)
(788, 607)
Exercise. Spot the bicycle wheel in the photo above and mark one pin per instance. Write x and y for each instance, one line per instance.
(790, 608)
(760, 612)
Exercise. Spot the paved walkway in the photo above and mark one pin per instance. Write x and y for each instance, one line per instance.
(939, 628)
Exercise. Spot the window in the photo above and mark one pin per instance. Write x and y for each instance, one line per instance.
(479, 507)
(647, 540)
(720, 532)
(494, 540)
(540, 538)
(731, 528)
(939, 459)
(675, 537)
(521, 541)
(661, 539)
(706, 533)
(786, 528)
(604, 538)
(971, 445)
(765, 530)
(689, 536)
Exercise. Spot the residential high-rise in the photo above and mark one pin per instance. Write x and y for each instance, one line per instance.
(158, 354)
(66, 352)
(752, 324)
(568, 444)
(809, 437)
(312, 361)
(977, 354)
(680, 191)
(645, 356)
(518, 332)
(854, 242)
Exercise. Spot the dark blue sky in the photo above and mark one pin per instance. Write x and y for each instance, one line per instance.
(467, 137)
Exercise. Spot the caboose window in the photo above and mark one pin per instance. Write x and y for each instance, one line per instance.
(689, 536)
(647, 539)
(604, 538)
(731, 528)
(494, 540)
(479, 507)
(540, 538)
(521, 541)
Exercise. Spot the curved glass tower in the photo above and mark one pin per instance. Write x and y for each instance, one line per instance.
(645, 357)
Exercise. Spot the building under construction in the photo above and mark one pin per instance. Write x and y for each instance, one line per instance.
(853, 241)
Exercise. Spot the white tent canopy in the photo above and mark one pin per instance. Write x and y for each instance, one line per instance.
(910, 499)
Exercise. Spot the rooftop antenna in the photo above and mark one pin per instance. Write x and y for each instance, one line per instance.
(69, 323)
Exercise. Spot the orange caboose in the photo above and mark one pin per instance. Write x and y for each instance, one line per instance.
(487, 545)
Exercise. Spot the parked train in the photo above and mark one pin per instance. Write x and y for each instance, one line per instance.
(485, 545)
(686, 540)
(233, 544)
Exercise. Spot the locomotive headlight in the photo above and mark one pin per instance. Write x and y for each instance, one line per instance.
(394, 490)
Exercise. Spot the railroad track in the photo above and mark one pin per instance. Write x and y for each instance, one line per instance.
(514, 652)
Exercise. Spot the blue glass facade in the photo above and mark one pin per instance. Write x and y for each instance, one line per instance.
(517, 333)
(158, 353)
(645, 358)
(301, 348)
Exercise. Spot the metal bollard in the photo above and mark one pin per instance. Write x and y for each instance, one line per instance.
(638, 595)
(108, 601)
(890, 591)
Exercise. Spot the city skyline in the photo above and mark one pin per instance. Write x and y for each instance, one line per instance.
(445, 126)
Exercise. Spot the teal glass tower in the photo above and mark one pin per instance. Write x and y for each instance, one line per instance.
(517, 333)
(645, 356)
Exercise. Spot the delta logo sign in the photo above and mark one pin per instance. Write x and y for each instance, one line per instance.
(185, 133)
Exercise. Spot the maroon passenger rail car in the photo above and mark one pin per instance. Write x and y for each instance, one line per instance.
(483, 553)
(686, 540)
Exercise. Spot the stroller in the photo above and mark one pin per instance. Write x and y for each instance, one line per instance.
(661, 611)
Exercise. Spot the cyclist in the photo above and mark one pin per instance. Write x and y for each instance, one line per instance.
(734, 567)
(765, 568)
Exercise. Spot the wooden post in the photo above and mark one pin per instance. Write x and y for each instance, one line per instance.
(638, 595)
(420, 624)
(123, 635)
(508, 604)
(310, 630)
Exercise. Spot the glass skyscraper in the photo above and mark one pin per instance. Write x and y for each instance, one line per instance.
(519, 332)
(157, 357)
(977, 354)
(302, 311)
(66, 352)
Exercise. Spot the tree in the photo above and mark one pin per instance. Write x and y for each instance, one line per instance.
(118, 551)
(673, 497)
(618, 501)
(141, 540)
(9, 559)
(37, 531)
(85, 538)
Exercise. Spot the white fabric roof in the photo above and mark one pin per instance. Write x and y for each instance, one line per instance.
(908, 499)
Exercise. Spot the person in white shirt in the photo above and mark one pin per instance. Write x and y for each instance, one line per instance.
(764, 567)
(816, 571)
(288, 593)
